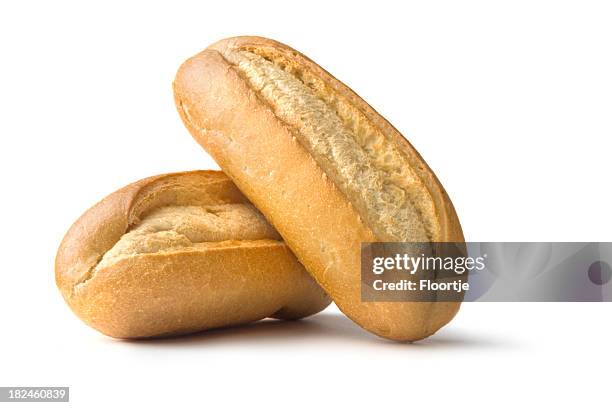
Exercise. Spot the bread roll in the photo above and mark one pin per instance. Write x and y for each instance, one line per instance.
(180, 253)
(323, 167)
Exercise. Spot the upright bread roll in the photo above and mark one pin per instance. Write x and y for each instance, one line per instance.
(323, 167)
(180, 253)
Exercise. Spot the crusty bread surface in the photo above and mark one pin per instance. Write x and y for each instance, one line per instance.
(180, 253)
(323, 167)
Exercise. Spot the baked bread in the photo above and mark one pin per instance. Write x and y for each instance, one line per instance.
(180, 253)
(323, 167)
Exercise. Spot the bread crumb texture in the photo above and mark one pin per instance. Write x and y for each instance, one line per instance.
(365, 164)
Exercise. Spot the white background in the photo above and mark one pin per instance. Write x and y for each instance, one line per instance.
(510, 103)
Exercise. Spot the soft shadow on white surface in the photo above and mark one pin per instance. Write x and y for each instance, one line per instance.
(322, 329)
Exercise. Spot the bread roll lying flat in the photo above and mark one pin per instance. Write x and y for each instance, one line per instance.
(323, 167)
(180, 253)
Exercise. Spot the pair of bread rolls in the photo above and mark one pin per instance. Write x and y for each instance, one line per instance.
(321, 165)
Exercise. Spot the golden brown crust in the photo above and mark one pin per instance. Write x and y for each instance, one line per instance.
(261, 155)
(184, 290)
